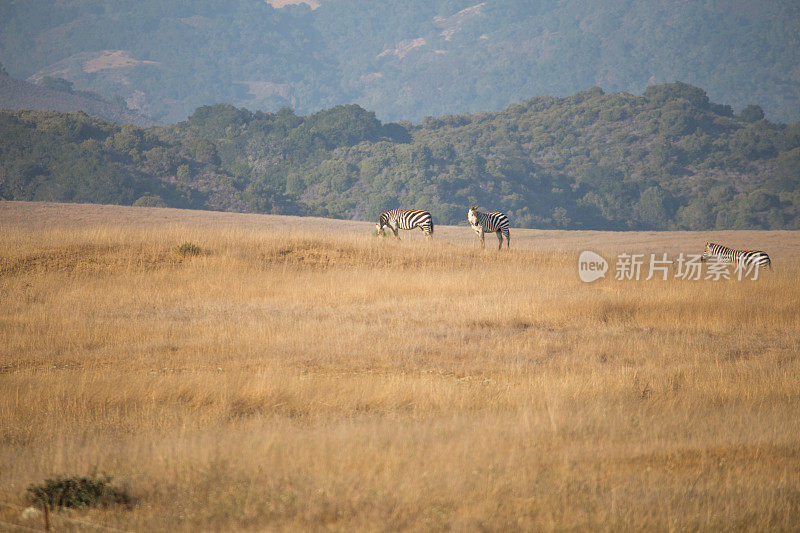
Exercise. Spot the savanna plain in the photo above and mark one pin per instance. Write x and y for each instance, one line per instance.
(303, 374)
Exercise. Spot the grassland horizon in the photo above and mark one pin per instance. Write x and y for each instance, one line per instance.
(299, 373)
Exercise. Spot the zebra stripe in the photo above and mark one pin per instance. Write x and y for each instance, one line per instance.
(489, 223)
(723, 254)
(396, 219)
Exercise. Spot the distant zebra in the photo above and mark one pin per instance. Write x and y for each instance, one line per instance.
(489, 223)
(396, 219)
(724, 254)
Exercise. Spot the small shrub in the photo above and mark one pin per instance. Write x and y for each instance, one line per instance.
(187, 248)
(150, 200)
(77, 492)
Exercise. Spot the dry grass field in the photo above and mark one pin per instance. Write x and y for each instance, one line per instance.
(301, 374)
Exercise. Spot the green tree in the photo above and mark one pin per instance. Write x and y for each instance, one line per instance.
(752, 113)
(652, 211)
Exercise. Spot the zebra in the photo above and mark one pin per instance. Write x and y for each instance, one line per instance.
(489, 223)
(724, 254)
(396, 219)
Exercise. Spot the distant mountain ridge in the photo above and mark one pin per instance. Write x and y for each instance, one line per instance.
(406, 59)
(19, 94)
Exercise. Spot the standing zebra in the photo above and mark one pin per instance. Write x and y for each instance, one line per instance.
(396, 219)
(489, 223)
(724, 254)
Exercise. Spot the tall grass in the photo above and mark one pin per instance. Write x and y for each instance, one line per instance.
(322, 378)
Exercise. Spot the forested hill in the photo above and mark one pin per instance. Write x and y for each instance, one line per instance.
(669, 158)
(405, 59)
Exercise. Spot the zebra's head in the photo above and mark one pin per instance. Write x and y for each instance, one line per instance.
(381, 231)
(708, 252)
(473, 220)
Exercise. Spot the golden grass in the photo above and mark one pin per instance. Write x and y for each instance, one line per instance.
(301, 374)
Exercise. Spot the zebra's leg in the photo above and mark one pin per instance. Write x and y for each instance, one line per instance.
(396, 233)
(500, 238)
(508, 240)
(479, 232)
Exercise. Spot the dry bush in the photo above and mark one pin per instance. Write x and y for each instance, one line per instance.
(308, 375)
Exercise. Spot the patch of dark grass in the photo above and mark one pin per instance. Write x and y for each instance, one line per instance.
(187, 248)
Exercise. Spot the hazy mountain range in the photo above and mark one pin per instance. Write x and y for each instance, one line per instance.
(403, 59)
(59, 95)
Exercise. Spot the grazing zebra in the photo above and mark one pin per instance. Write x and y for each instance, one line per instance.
(396, 219)
(489, 223)
(724, 254)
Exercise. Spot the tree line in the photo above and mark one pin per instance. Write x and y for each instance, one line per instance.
(667, 159)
